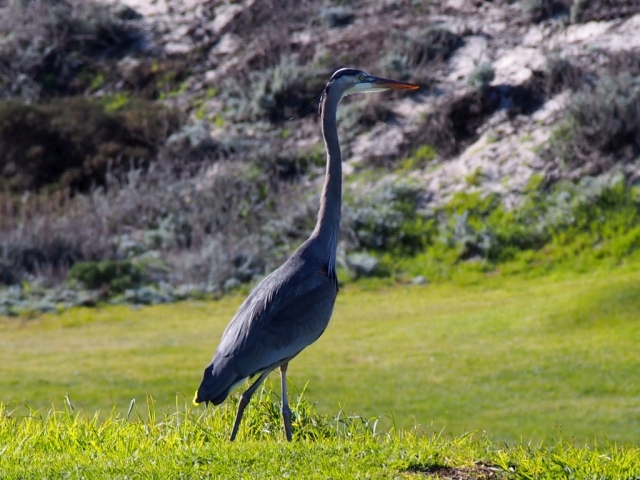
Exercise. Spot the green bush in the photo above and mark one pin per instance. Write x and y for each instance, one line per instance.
(605, 216)
(275, 94)
(481, 76)
(595, 219)
(386, 219)
(70, 141)
(601, 127)
(420, 158)
(115, 276)
(606, 116)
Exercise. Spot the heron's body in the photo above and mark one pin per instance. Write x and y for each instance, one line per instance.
(286, 312)
(292, 306)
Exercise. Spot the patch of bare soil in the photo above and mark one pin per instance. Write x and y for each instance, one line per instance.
(479, 471)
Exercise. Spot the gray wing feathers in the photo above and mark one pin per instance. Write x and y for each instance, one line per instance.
(288, 311)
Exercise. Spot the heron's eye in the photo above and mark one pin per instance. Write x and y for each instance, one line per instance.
(362, 77)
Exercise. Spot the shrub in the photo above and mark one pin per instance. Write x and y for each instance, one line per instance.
(114, 276)
(601, 208)
(289, 166)
(462, 225)
(427, 45)
(275, 94)
(386, 219)
(456, 122)
(602, 125)
(481, 76)
(47, 257)
(53, 46)
(412, 50)
(593, 211)
(396, 65)
(420, 158)
(71, 142)
(362, 265)
(539, 10)
(197, 221)
(338, 16)
(561, 73)
(583, 11)
(606, 116)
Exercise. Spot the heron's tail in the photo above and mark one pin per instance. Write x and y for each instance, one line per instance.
(215, 386)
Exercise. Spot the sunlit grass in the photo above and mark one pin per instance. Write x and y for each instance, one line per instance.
(517, 358)
(190, 444)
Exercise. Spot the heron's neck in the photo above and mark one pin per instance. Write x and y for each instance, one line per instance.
(328, 225)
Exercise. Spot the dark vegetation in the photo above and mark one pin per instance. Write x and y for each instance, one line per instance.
(587, 10)
(602, 125)
(71, 142)
(413, 50)
(579, 11)
(539, 10)
(603, 112)
(455, 125)
(605, 117)
(61, 47)
(104, 183)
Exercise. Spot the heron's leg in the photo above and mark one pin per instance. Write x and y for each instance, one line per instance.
(285, 410)
(244, 401)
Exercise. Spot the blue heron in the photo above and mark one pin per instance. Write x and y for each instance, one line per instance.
(291, 307)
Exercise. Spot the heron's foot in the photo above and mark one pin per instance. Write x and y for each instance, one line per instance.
(286, 419)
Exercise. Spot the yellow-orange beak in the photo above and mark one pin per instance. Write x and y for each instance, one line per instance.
(379, 82)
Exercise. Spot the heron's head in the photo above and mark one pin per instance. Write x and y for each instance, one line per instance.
(350, 80)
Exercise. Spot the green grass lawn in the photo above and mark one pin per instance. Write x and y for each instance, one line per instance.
(520, 359)
(62, 444)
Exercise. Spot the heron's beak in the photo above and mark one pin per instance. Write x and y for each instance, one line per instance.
(385, 83)
(373, 84)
